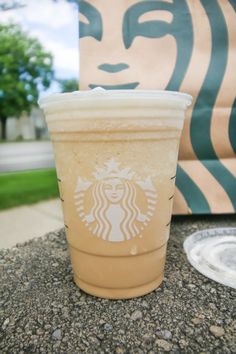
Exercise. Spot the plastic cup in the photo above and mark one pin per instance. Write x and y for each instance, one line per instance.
(116, 156)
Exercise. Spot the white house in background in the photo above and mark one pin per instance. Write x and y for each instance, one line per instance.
(27, 127)
(40, 125)
(12, 128)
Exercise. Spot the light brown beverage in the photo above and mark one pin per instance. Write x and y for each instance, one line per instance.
(116, 157)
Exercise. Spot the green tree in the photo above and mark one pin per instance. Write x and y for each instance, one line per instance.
(68, 85)
(25, 70)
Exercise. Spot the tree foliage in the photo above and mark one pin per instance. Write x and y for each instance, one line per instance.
(25, 69)
(68, 85)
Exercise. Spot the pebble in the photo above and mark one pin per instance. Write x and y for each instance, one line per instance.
(5, 323)
(108, 327)
(196, 321)
(165, 334)
(212, 306)
(39, 331)
(217, 331)
(57, 334)
(163, 344)
(136, 315)
(94, 340)
(147, 339)
(201, 316)
(183, 343)
(145, 304)
(120, 350)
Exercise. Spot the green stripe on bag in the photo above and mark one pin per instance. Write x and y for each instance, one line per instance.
(191, 192)
(201, 118)
(232, 127)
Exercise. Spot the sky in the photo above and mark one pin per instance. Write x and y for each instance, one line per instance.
(55, 24)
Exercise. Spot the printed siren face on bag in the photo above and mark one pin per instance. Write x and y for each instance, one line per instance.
(119, 204)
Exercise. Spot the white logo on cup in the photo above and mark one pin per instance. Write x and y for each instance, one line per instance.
(115, 206)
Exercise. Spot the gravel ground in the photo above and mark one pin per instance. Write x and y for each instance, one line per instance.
(42, 311)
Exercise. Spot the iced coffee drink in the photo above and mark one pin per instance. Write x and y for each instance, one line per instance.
(116, 157)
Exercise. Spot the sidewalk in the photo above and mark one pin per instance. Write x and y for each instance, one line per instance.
(26, 222)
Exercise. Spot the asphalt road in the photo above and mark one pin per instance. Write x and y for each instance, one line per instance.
(25, 156)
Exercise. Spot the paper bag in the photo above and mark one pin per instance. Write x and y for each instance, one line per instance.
(180, 45)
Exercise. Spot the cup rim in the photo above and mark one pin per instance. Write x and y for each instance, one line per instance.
(103, 97)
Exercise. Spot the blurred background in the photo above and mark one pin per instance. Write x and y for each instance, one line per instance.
(38, 56)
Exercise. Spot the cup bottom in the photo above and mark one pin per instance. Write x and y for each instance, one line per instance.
(118, 277)
(115, 294)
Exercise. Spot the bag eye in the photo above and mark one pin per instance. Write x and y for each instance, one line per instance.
(148, 19)
(90, 24)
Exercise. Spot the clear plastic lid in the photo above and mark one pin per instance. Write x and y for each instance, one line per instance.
(99, 98)
(213, 253)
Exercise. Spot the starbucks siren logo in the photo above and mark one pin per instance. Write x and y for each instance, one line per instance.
(115, 206)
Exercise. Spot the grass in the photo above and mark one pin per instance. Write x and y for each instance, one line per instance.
(29, 187)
